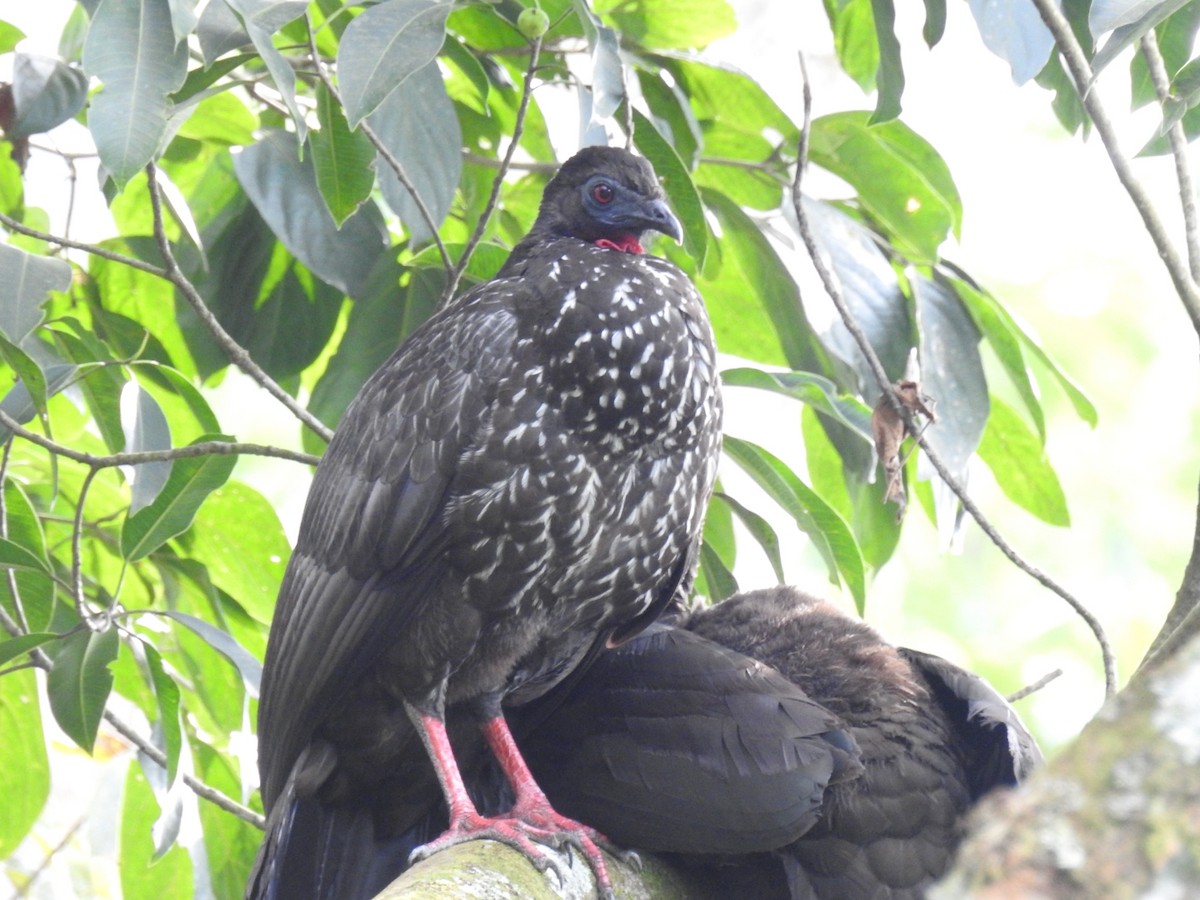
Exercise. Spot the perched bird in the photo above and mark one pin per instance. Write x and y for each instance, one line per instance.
(521, 484)
(826, 764)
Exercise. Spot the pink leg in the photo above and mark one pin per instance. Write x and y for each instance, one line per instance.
(531, 819)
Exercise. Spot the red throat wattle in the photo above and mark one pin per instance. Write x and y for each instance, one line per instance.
(626, 243)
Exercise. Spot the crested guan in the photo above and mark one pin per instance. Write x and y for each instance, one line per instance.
(782, 743)
(521, 484)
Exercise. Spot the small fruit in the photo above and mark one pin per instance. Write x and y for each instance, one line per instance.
(533, 22)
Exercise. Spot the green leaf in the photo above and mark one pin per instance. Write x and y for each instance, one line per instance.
(100, 384)
(262, 19)
(45, 93)
(25, 775)
(751, 297)
(19, 403)
(829, 532)
(224, 643)
(343, 159)
(994, 325)
(951, 372)
(1018, 461)
(677, 183)
(146, 430)
(202, 78)
(670, 24)
(1016, 33)
(16, 556)
(935, 21)
(239, 539)
(417, 124)
(901, 180)
(131, 48)
(719, 582)
(760, 529)
(166, 695)
(284, 190)
(730, 96)
(889, 80)
(14, 648)
(1131, 21)
(819, 393)
(35, 588)
(854, 40)
(80, 682)
(220, 118)
(147, 874)
(25, 282)
(382, 47)
(27, 370)
(230, 842)
(192, 480)
(10, 36)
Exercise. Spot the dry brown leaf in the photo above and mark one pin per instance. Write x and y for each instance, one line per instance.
(889, 431)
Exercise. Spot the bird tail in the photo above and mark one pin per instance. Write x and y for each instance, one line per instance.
(325, 853)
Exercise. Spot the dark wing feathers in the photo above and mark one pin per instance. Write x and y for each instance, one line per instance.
(999, 748)
(385, 478)
(673, 743)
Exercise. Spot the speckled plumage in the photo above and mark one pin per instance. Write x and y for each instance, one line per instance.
(525, 478)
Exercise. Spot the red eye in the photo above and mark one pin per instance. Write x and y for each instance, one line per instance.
(602, 193)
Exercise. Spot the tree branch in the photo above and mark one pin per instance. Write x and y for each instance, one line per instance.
(205, 448)
(237, 354)
(833, 289)
(518, 129)
(1083, 76)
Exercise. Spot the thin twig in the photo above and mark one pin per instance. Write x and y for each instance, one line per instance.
(1179, 151)
(199, 788)
(203, 448)
(1035, 687)
(835, 294)
(13, 225)
(382, 149)
(237, 354)
(10, 574)
(1081, 72)
(535, 50)
(77, 547)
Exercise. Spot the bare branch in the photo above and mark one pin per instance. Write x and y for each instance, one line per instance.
(91, 249)
(1035, 687)
(535, 50)
(1081, 72)
(833, 289)
(205, 448)
(1178, 141)
(77, 547)
(237, 354)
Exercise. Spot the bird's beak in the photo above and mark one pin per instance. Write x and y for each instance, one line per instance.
(657, 216)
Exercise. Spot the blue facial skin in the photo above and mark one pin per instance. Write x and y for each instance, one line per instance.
(617, 207)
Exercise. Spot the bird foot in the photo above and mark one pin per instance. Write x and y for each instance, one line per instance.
(525, 832)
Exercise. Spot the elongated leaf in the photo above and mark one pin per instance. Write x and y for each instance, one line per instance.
(262, 19)
(673, 24)
(147, 874)
(1133, 21)
(166, 695)
(1016, 33)
(889, 80)
(219, 31)
(80, 682)
(16, 647)
(25, 282)
(819, 393)
(145, 429)
(45, 93)
(900, 179)
(25, 775)
(224, 643)
(27, 370)
(191, 481)
(19, 403)
(229, 841)
(719, 582)
(760, 529)
(239, 538)
(1018, 461)
(284, 190)
(344, 160)
(131, 48)
(10, 36)
(383, 47)
(830, 534)
(15, 556)
(418, 125)
(677, 183)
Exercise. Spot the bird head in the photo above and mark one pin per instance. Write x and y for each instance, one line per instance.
(608, 197)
